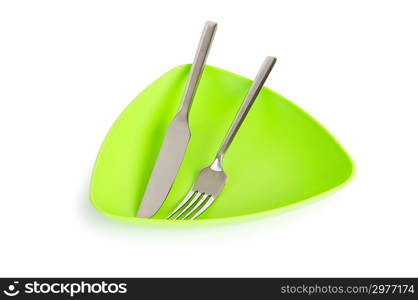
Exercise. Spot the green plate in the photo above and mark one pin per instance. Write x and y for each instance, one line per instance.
(280, 157)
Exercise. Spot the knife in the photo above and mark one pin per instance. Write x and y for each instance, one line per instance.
(177, 135)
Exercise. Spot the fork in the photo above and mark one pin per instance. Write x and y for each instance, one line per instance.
(212, 179)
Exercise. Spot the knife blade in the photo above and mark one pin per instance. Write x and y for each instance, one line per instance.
(177, 135)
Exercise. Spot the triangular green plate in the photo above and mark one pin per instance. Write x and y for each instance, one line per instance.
(280, 156)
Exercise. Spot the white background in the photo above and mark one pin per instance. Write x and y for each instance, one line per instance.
(68, 68)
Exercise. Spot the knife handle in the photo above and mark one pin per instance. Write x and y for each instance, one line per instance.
(249, 99)
(197, 66)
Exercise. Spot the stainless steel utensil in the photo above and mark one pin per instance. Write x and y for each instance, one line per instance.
(212, 179)
(177, 136)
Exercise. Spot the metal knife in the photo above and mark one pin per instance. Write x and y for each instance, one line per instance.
(177, 136)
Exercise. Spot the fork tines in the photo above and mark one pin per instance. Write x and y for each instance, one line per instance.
(199, 200)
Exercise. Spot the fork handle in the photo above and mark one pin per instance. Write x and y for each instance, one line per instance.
(197, 66)
(249, 99)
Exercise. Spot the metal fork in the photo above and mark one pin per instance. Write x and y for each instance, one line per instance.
(212, 179)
